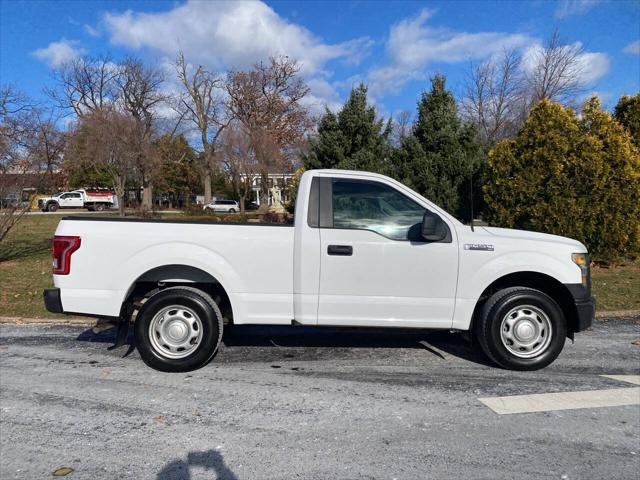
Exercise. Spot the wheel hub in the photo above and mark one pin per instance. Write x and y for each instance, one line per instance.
(526, 331)
(175, 332)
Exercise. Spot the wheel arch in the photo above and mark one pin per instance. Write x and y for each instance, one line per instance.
(538, 281)
(172, 275)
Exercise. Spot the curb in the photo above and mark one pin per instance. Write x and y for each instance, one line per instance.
(80, 322)
(617, 314)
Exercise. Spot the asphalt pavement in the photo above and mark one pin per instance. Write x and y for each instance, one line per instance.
(294, 402)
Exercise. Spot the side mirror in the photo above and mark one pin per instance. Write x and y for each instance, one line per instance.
(433, 228)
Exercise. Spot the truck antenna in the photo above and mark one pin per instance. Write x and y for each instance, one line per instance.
(471, 196)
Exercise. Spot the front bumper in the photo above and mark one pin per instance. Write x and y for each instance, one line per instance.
(585, 314)
(52, 300)
(585, 306)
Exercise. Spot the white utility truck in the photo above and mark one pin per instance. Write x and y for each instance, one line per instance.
(363, 251)
(97, 200)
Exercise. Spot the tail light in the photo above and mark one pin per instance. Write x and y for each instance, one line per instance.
(62, 249)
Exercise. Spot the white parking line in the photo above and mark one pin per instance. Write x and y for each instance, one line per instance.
(635, 379)
(545, 402)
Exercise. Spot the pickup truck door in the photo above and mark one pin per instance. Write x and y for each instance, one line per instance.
(375, 268)
(70, 200)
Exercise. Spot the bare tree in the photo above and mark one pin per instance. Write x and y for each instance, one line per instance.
(556, 71)
(31, 147)
(237, 158)
(13, 101)
(494, 96)
(202, 105)
(112, 140)
(402, 126)
(85, 85)
(140, 95)
(500, 92)
(266, 102)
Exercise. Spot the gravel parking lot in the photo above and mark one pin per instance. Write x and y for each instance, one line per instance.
(280, 403)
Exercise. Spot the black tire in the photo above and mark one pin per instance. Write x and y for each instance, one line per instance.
(99, 207)
(52, 207)
(490, 322)
(232, 210)
(198, 302)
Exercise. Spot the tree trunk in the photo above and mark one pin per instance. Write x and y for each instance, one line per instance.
(119, 187)
(207, 185)
(147, 194)
(243, 197)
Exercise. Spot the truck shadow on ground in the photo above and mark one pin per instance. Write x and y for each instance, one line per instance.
(210, 460)
(273, 338)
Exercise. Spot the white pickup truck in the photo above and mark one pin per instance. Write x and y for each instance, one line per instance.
(364, 251)
(98, 200)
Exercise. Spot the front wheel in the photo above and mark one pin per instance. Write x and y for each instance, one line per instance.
(52, 207)
(178, 329)
(521, 329)
(232, 210)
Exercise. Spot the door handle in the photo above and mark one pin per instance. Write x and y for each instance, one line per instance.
(343, 250)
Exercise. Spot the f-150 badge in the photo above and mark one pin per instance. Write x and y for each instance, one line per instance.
(478, 246)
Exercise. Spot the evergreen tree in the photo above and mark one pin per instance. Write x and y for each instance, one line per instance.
(570, 177)
(442, 154)
(627, 112)
(353, 139)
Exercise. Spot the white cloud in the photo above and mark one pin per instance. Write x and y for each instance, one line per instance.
(590, 66)
(567, 8)
(412, 45)
(227, 34)
(633, 48)
(58, 53)
(94, 32)
(323, 94)
(235, 35)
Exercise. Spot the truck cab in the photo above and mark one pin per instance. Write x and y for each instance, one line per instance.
(364, 251)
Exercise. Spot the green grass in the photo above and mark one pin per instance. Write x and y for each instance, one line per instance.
(25, 267)
(25, 270)
(617, 288)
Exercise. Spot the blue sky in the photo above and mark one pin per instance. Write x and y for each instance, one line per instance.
(394, 47)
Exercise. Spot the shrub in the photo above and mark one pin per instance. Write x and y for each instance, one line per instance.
(570, 177)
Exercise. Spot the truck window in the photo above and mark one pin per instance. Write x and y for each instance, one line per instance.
(366, 205)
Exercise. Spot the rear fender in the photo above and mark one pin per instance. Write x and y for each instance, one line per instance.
(180, 253)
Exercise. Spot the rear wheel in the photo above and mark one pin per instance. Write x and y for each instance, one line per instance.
(521, 329)
(178, 329)
(99, 207)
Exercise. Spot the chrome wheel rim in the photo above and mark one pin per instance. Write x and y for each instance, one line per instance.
(175, 332)
(526, 331)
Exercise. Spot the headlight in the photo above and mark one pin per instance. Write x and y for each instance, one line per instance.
(583, 261)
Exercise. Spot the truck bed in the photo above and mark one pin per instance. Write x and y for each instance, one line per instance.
(253, 262)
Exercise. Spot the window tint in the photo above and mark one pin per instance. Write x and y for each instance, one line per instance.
(374, 206)
(75, 195)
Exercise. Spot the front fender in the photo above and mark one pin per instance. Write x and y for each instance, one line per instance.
(476, 278)
(478, 272)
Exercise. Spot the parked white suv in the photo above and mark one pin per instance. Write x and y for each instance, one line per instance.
(226, 206)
